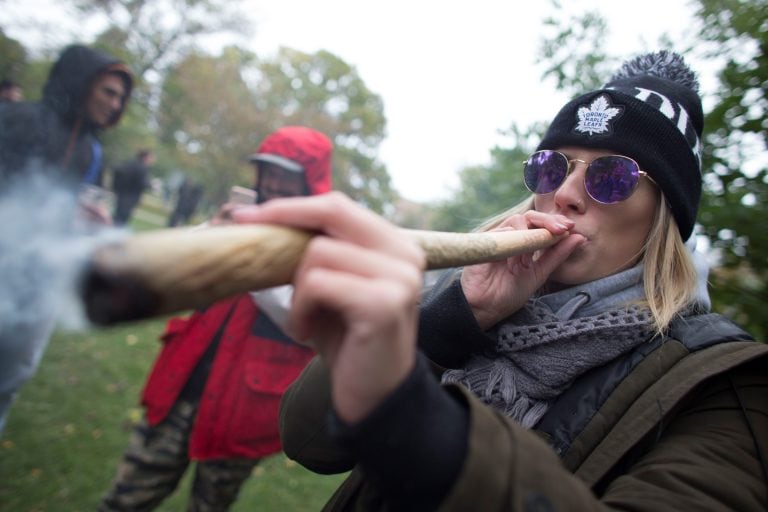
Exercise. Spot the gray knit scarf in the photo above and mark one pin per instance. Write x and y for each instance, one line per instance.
(552, 340)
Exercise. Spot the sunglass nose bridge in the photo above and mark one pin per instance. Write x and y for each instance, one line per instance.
(573, 161)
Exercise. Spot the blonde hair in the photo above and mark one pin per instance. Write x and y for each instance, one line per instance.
(669, 275)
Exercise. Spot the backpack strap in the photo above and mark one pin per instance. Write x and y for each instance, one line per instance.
(702, 331)
(640, 417)
(613, 387)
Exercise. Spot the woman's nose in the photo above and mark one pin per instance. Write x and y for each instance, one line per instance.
(571, 195)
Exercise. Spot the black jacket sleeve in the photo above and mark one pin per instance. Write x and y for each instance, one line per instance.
(448, 330)
(413, 446)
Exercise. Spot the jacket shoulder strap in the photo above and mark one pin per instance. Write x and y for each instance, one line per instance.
(702, 331)
(658, 401)
(613, 387)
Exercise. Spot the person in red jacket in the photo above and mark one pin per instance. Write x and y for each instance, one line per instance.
(213, 393)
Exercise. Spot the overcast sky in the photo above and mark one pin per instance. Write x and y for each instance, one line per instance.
(451, 73)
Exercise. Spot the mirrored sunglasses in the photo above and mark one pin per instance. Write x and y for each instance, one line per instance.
(608, 179)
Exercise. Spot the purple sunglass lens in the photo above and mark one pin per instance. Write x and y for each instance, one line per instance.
(610, 179)
(545, 171)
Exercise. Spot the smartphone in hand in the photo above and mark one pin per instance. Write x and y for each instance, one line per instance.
(242, 195)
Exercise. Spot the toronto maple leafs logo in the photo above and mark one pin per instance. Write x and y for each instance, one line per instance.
(594, 120)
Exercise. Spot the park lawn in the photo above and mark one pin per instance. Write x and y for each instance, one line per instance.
(71, 422)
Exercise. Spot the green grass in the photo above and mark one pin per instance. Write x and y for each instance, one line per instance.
(71, 422)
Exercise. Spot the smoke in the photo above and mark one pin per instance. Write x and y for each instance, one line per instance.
(45, 245)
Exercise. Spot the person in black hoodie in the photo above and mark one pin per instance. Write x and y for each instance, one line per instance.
(85, 93)
(49, 153)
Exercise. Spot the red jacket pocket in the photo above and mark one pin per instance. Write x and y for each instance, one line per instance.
(270, 376)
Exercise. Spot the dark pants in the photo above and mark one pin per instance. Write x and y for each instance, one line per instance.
(157, 458)
(124, 206)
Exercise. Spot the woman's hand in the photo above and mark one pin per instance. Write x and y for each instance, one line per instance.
(496, 290)
(355, 295)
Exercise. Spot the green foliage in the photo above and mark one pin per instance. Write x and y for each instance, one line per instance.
(736, 192)
(208, 121)
(209, 117)
(582, 36)
(573, 56)
(214, 111)
(203, 114)
(16, 64)
(14, 60)
(150, 48)
(322, 91)
(484, 191)
(33, 78)
(134, 34)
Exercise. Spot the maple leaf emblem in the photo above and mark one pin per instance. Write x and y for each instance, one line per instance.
(594, 119)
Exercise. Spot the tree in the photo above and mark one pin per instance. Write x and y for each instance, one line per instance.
(214, 111)
(318, 90)
(736, 193)
(322, 91)
(149, 35)
(573, 59)
(208, 121)
(152, 34)
(484, 191)
(581, 38)
(13, 60)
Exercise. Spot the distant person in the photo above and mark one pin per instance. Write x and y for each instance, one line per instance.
(85, 93)
(189, 195)
(214, 390)
(130, 180)
(10, 92)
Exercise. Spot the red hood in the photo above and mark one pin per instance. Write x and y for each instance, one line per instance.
(306, 147)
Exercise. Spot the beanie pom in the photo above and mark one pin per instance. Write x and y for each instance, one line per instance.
(662, 64)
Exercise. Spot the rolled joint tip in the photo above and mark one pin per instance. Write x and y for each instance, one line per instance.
(111, 298)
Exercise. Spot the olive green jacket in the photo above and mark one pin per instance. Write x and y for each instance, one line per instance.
(680, 431)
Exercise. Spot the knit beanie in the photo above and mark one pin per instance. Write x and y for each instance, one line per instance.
(650, 111)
